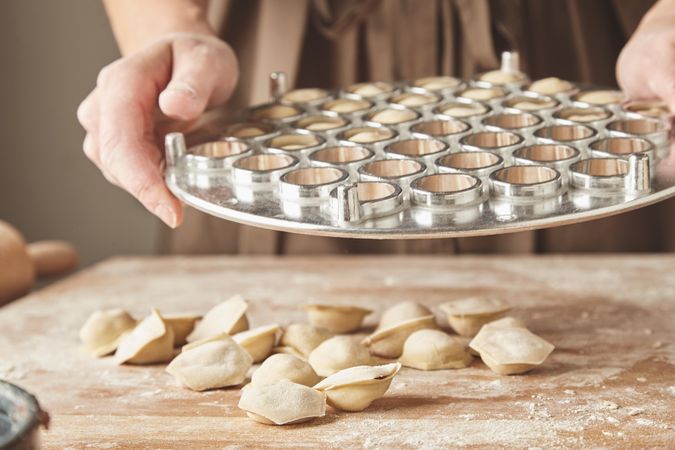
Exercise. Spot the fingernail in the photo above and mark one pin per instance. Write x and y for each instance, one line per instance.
(167, 215)
(182, 87)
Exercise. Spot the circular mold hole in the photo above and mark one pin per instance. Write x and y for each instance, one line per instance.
(392, 116)
(512, 121)
(392, 168)
(249, 130)
(265, 163)
(305, 95)
(546, 153)
(648, 108)
(371, 191)
(525, 175)
(437, 83)
(276, 112)
(219, 149)
(621, 145)
(470, 160)
(320, 123)
(346, 105)
(367, 135)
(564, 133)
(440, 127)
(416, 147)
(636, 126)
(313, 176)
(294, 141)
(446, 183)
(492, 139)
(341, 154)
(584, 115)
(601, 167)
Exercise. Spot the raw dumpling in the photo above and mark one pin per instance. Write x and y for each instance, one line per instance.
(182, 325)
(390, 116)
(355, 388)
(468, 315)
(433, 350)
(337, 353)
(401, 312)
(103, 330)
(606, 97)
(258, 342)
(228, 317)
(509, 351)
(151, 341)
(388, 342)
(211, 363)
(304, 338)
(304, 95)
(286, 350)
(289, 367)
(336, 318)
(282, 403)
(550, 86)
(501, 77)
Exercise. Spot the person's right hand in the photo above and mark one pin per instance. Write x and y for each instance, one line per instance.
(140, 97)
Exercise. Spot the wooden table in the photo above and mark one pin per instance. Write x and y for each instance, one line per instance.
(610, 381)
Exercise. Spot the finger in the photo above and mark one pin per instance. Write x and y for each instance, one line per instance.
(90, 146)
(87, 111)
(204, 74)
(661, 82)
(127, 150)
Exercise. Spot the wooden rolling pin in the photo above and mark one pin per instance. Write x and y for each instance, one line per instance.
(21, 264)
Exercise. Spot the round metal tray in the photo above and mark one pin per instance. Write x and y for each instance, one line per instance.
(321, 198)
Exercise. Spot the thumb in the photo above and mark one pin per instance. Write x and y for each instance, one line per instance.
(204, 74)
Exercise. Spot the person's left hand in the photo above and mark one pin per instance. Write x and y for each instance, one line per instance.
(646, 66)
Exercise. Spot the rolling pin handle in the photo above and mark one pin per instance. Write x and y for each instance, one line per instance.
(175, 148)
(510, 61)
(638, 179)
(348, 206)
(278, 85)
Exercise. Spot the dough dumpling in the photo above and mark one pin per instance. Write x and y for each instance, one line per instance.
(501, 77)
(288, 367)
(336, 318)
(258, 342)
(337, 353)
(282, 403)
(355, 388)
(151, 341)
(103, 330)
(550, 86)
(228, 317)
(388, 342)
(509, 351)
(182, 325)
(390, 116)
(401, 312)
(468, 315)
(305, 95)
(211, 363)
(304, 338)
(606, 97)
(434, 350)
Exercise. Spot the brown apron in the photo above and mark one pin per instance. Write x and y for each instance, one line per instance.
(333, 43)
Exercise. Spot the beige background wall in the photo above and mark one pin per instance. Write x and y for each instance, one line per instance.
(50, 53)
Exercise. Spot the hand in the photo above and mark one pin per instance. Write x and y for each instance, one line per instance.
(646, 66)
(162, 87)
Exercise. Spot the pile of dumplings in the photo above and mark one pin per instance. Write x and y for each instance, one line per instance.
(305, 367)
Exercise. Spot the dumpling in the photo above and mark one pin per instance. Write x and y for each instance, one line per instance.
(355, 388)
(211, 363)
(304, 338)
(228, 317)
(506, 322)
(258, 342)
(182, 325)
(467, 315)
(388, 342)
(337, 353)
(103, 330)
(509, 351)
(288, 367)
(433, 350)
(401, 312)
(151, 341)
(286, 350)
(282, 403)
(336, 318)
